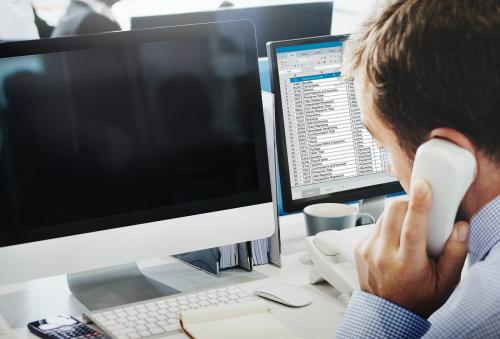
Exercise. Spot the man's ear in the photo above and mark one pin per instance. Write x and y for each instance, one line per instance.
(455, 137)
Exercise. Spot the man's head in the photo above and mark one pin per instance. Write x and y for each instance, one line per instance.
(427, 68)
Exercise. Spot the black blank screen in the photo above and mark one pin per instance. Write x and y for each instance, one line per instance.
(100, 132)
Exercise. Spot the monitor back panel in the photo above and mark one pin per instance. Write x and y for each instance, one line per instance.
(272, 23)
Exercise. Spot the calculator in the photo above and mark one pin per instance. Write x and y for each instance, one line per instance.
(63, 327)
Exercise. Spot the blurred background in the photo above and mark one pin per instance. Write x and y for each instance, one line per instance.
(347, 13)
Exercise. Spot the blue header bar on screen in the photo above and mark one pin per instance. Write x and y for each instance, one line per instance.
(309, 46)
(316, 77)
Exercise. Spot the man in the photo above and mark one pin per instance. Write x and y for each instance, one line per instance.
(86, 17)
(430, 69)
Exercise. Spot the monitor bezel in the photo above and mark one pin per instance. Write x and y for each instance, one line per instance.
(245, 29)
(290, 205)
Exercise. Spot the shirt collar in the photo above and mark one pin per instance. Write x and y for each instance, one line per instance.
(99, 7)
(484, 231)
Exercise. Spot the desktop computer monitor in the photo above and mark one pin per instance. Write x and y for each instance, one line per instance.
(272, 22)
(131, 145)
(325, 154)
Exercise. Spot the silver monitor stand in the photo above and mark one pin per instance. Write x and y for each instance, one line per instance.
(115, 286)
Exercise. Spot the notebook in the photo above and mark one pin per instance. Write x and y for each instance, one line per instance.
(242, 321)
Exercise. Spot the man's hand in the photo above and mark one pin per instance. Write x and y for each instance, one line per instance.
(393, 262)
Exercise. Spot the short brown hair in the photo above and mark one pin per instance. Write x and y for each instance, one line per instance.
(433, 63)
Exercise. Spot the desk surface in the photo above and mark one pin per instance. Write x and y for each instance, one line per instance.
(37, 299)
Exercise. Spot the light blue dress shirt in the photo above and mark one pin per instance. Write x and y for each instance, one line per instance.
(472, 311)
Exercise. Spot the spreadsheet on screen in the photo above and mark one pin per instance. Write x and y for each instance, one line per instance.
(328, 148)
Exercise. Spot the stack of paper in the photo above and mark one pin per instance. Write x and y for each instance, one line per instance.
(228, 256)
(260, 250)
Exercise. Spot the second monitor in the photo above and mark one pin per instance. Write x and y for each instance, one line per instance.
(325, 153)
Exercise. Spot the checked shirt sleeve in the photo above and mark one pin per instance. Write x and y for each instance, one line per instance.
(369, 316)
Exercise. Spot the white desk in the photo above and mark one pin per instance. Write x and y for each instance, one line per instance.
(37, 299)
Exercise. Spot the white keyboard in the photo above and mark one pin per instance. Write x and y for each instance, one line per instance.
(159, 317)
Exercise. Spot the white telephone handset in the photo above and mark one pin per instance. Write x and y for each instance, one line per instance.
(447, 168)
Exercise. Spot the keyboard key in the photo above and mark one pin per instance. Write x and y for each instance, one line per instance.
(156, 330)
(107, 323)
(123, 331)
(115, 327)
(110, 316)
(171, 327)
(134, 335)
(161, 317)
(144, 333)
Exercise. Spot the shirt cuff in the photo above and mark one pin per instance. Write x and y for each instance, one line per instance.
(369, 316)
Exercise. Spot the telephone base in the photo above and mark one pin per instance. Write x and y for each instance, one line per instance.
(332, 255)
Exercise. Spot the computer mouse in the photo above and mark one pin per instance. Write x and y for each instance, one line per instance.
(286, 294)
